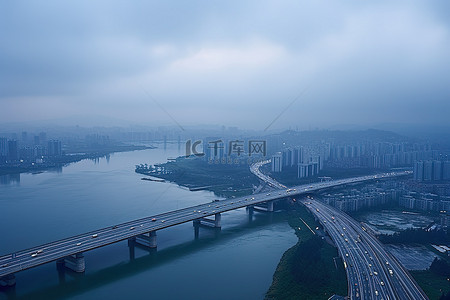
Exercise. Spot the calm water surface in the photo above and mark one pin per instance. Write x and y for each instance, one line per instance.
(236, 263)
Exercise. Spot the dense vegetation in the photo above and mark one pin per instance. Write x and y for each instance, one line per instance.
(445, 296)
(308, 266)
(440, 267)
(309, 270)
(435, 281)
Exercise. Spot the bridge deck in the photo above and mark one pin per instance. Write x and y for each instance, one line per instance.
(35, 256)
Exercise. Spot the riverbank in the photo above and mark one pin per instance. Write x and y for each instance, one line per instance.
(196, 174)
(311, 269)
(70, 157)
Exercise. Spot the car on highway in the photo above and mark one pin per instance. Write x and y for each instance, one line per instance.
(94, 236)
(153, 219)
(78, 244)
(132, 227)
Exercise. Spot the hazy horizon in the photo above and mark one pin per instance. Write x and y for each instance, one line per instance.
(250, 64)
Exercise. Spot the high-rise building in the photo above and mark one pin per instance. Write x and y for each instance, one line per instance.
(24, 137)
(303, 170)
(286, 157)
(296, 156)
(277, 162)
(437, 170)
(13, 151)
(446, 170)
(3, 149)
(418, 170)
(427, 170)
(54, 148)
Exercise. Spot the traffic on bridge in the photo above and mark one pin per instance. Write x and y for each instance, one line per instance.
(71, 249)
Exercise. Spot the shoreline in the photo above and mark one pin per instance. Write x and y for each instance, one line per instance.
(299, 276)
(67, 160)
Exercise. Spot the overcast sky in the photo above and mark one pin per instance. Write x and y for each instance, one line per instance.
(237, 63)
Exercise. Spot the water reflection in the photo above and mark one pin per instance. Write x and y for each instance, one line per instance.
(142, 259)
(10, 179)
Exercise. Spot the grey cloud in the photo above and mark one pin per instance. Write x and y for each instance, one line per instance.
(236, 63)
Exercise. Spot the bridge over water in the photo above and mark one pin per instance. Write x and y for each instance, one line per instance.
(70, 251)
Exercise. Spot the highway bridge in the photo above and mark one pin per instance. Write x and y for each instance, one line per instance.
(372, 272)
(70, 251)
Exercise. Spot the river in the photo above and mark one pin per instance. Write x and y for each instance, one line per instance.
(236, 263)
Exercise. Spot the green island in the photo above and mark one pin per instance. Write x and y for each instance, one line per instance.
(225, 180)
(311, 269)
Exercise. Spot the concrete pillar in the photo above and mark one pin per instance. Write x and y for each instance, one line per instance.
(61, 270)
(131, 246)
(8, 280)
(152, 240)
(270, 206)
(147, 240)
(217, 219)
(75, 262)
(250, 212)
(196, 230)
(206, 222)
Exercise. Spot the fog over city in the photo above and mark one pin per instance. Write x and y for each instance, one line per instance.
(322, 63)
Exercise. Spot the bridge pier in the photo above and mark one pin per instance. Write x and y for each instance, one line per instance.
(74, 262)
(147, 240)
(250, 209)
(267, 207)
(61, 270)
(270, 206)
(218, 220)
(8, 280)
(216, 223)
(131, 246)
(196, 230)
